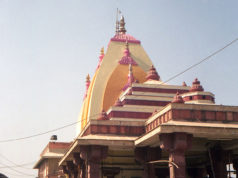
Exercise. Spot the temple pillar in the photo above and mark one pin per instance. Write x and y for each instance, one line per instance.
(218, 159)
(145, 155)
(72, 169)
(79, 165)
(93, 155)
(235, 166)
(176, 144)
(65, 171)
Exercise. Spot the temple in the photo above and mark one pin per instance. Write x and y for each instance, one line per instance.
(133, 125)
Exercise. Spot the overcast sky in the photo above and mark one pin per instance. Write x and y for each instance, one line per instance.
(47, 47)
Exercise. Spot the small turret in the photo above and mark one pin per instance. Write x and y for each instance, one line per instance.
(177, 98)
(196, 86)
(152, 74)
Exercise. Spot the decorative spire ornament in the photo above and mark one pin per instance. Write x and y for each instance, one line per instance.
(152, 74)
(87, 85)
(127, 59)
(101, 57)
(131, 78)
(196, 86)
(87, 81)
(122, 29)
(177, 98)
(117, 22)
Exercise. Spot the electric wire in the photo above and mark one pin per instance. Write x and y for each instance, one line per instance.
(19, 172)
(49, 131)
(18, 165)
(15, 165)
(12, 174)
(201, 61)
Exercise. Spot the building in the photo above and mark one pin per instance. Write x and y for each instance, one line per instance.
(47, 165)
(133, 125)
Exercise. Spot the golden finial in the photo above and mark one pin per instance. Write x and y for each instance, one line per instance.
(88, 78)
(102, 51)
(122, 28)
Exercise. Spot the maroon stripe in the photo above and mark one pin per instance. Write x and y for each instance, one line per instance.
(115, 130)
(123, 114)
(159, 90)
(145, 102)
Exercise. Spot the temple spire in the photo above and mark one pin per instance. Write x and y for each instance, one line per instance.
(101, 54)
(122, 29)
(152, 74)
(126, 58)
(117, 22)
(100, 57)
(87, 85)
(131, 78)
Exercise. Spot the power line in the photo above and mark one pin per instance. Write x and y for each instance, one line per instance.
(49, 131)
(18, 165)
(15, 175)
(20, 172)
(201, 61)
(15, 165)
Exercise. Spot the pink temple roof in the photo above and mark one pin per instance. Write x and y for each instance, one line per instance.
(124, 38)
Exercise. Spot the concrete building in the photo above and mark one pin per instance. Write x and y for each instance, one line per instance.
(47, 165)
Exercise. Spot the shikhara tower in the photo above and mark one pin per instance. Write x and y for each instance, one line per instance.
(131, 124)
(111, 75)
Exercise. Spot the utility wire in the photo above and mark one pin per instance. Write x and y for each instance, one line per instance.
(201, 61)
(12, 174)
(18, 165)
(15, 165)
(20, 172)
(49, 131)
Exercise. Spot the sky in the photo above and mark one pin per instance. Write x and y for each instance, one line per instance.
(47, 47)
